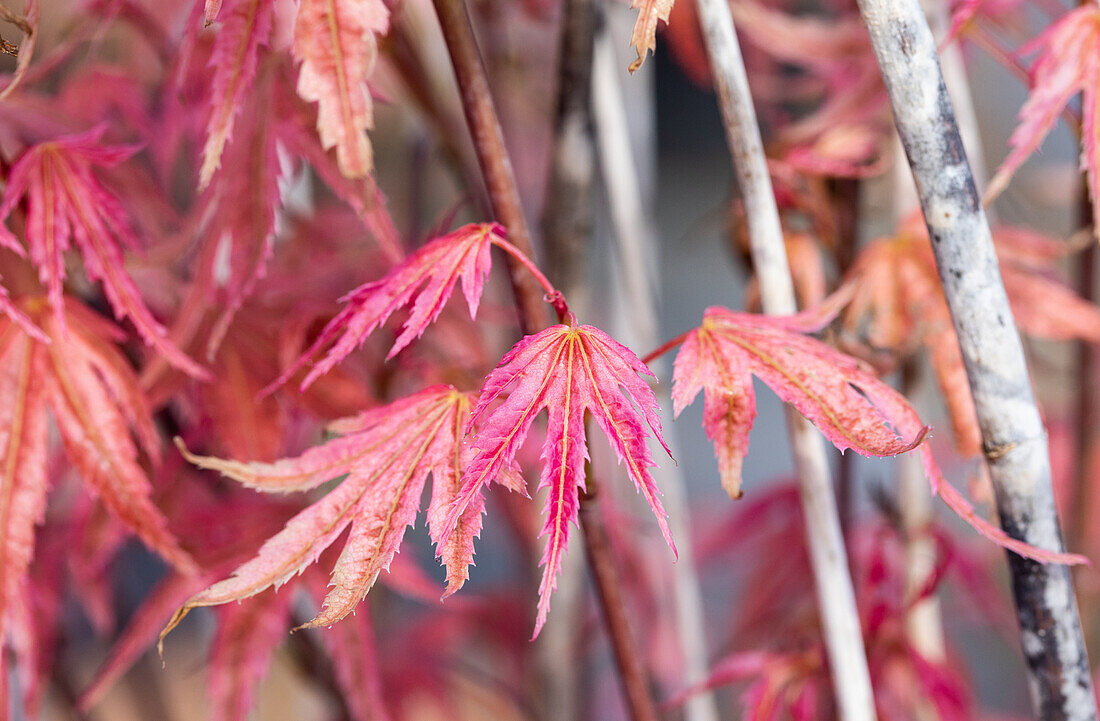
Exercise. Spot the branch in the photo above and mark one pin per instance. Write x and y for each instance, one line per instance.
(504, 197)
(1013, 436)
(833, 582)
(636, 258)
(492, 155)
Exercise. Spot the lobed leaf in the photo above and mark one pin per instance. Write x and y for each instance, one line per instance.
(425, 280)
(829, 388)
(385, 459)
(570, 371)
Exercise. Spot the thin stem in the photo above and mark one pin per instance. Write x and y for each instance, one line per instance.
(664, 348)
(601, 563)
(1077, 530)
(833, 582)
(1013, 437)
(553, 296)
(504, 197)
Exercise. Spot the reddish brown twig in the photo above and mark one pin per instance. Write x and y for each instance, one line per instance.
(492, 156)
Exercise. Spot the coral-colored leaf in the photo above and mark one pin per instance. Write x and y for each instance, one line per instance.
(1068, 63)
(387, 455)
(337, 43)
(245, 29)
(96, 403)
(570, 371)
(644, 37)
(67, 204)
(425, 279)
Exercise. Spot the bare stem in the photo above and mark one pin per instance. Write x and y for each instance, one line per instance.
(635, 266)
(1013, 437)
(492, 155)
(664, 348)
(601, 563)
(553, 296)
(833, 583)
(504, 197)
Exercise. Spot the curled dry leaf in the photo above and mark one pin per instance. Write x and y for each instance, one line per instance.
(570, 371)
(425, 280)
(386, 455)
(28, 24)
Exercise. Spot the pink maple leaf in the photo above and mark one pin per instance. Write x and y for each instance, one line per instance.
(337, 43)
(387, 454)
(425, 279)
(1068, 63)
(245, 28)
(837, 393)
(569, 371)
(87, 385)
(67, 204)
(826, 386)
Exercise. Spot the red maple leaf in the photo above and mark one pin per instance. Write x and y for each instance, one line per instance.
(1068, 63)
(569, 371)
(425, 279)
(387, 454)
(67, 204)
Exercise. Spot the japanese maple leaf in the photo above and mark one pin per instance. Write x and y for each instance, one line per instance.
(644, 37)
(387, 454)
(1068, 63)
(67, 204)
(827, 387)
(425, 280)
(87, 385)
(569, 371)
(837, 393)
(336, 42)
(245, 28)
